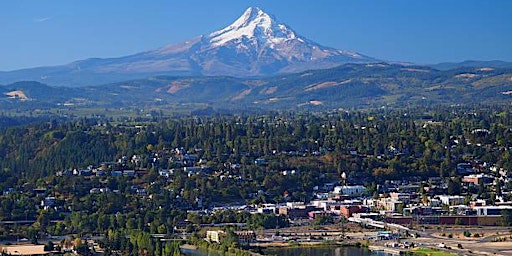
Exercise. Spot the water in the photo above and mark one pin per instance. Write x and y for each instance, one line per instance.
(191, 252)
(300, 251)
(321, 251)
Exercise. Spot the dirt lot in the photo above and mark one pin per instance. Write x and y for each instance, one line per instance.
(24, 249)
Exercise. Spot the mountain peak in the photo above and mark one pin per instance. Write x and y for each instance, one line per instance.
(253, 12)
(252, 15)
(256, 25)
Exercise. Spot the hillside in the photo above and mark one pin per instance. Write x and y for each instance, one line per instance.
(346, 86)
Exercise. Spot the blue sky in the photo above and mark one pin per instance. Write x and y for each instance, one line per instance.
(51, 32)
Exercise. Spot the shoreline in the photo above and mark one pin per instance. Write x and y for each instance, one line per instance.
(392, 251)
(308, 244)
(254, 248)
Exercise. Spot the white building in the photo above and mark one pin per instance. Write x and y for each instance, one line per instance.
(452, 200)
(213, 235)
(492, 210)
(356, 190)
(267, 208)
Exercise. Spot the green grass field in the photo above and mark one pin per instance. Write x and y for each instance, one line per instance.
(430, 252)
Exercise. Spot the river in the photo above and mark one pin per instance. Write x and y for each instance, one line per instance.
(300, 251)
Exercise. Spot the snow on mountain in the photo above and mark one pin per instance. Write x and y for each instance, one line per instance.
(255, 44)
(255, 25)
(258, 30)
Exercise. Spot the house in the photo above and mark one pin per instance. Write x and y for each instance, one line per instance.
(94, 191)
(8, 191)
(244, 237)
(267, 208)
(356, 190)
(316, 214)
(404, 197)
(214, 236)
(192, 170)
(295, 212)
(165, 173)
(434, 202)
(141, 191)
(462, 210)
(321, 196)
(326, 205)
(478, 202)
(465, 168)
(100, 173)
(451, 200)
(39, 192)
(48, 202)
(409, 188)
(349, 210)
(105, 190)
(108, 166)
(129, 173)
(478, 178)
(85, 172)
(418, 210)
(99, 190)
(328, 186)
(260, 161)
(388, 204)
(190, 160)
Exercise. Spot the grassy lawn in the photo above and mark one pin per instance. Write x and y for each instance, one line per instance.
(430, 252)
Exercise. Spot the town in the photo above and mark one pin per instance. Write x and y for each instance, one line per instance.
(257, 182)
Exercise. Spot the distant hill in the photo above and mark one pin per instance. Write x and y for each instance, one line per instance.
(346, 86)
(472, 64)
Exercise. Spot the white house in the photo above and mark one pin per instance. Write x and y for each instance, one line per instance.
(356, 190)
(452, 200)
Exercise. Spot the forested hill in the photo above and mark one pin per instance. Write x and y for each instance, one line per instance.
(389, 145)
(347, 86)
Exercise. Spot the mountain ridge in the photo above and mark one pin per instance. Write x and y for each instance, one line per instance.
(347, 86)
(472, 64)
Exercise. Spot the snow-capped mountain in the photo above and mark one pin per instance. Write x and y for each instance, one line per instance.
(255, 44)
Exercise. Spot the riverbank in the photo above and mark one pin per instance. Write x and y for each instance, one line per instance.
(318, 251)
(392, 251)
(309, 244)
(194, 250)
(291, 248)
(260, 249)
